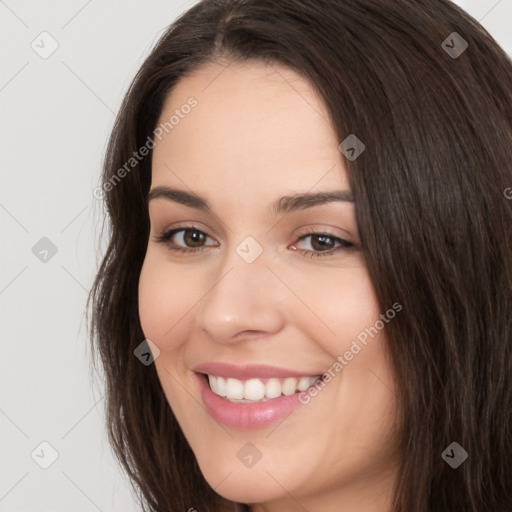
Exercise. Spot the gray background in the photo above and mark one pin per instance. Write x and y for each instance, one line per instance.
(56, 116)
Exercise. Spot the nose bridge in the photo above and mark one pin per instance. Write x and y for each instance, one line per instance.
(242, 296)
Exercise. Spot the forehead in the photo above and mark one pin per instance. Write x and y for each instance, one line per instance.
(256, 127)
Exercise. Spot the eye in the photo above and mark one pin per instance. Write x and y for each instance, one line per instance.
(190, 239)
(187, 235)
(324, 244)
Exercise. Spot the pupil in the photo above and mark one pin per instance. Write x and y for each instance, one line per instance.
(194, 237)
(321, 239)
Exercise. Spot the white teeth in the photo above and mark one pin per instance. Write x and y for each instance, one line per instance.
(213, 383)
(221, 386)
(304, 383)
(289, 386)
(256, 390)
(272, 388)
(234, 389)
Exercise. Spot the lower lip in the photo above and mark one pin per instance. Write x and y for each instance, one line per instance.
(246, 415)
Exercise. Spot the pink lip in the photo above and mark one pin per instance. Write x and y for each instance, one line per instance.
(245, 415)
(249, 371)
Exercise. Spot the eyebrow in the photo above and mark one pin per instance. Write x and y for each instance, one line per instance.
(285, 204)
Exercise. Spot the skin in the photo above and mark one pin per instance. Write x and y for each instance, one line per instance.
(260, 132)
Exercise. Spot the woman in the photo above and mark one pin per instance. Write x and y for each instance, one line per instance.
(243, 371)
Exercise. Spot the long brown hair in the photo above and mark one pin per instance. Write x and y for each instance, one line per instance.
(435, 223)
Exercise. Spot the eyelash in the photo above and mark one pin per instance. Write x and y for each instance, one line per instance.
(167, 235)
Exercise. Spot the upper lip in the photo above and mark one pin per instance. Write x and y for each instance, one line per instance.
(250, 371)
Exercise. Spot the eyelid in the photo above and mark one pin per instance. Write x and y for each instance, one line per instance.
(193, 226)
(311, 229)
(317, 229)
(343, 243)
(167, 233)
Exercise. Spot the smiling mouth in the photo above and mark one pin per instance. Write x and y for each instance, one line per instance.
(258, 390)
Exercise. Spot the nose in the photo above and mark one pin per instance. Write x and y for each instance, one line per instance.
(244, 301)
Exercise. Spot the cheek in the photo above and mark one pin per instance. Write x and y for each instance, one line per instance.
(342, 304)
(150, 300)
(164, 298)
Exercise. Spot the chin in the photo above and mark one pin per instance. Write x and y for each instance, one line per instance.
(233, 478)
(245, 485)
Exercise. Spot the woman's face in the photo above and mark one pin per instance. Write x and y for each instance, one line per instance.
(272, 290)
